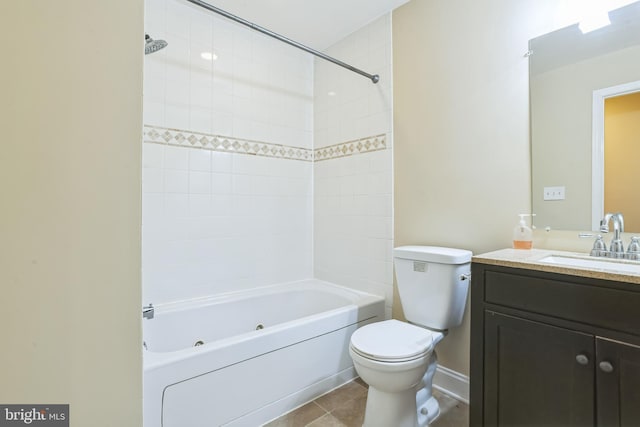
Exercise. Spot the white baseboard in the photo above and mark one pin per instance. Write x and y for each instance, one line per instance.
(452, 383)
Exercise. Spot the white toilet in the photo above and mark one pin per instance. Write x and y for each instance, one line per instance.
(397, 359)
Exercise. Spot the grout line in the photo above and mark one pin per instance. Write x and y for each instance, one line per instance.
(320, 416)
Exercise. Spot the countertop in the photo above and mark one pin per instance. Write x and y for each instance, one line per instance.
(530, 259)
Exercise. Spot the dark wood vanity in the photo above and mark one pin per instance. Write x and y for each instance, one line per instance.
(553, 349)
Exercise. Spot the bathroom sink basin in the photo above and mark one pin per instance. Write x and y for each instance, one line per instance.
(602, 264)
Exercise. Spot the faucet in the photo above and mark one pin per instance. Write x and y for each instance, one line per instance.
(148, 311)
(616, 249)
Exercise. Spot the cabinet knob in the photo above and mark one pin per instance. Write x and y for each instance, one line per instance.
(606, 366)
(582, 359)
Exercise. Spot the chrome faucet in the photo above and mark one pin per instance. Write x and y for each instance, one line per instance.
(148, 311)
(616, 248)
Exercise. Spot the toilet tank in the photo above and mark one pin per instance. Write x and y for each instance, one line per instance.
(433, 283)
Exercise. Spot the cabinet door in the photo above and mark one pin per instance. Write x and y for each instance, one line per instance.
(536, 374)
(618, 383)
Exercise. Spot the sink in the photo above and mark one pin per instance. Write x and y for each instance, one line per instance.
(603, 264)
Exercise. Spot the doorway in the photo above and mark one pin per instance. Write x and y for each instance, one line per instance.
(616, 115)
(622, 157)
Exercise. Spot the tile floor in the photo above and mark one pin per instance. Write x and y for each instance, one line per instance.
(344, 407)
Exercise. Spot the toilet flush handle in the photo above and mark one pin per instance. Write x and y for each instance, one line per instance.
(466, 276)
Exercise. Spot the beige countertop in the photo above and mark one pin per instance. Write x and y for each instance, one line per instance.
(530, 259)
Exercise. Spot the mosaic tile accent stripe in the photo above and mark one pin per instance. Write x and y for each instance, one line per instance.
(358, 146)
(185, 138)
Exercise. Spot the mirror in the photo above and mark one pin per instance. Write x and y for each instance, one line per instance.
(572, 77)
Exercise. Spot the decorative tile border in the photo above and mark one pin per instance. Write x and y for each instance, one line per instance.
(185, 138)
(358, 146)
(225, 144)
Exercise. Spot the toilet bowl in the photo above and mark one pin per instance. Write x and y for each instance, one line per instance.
(395, 369)
(397, 359)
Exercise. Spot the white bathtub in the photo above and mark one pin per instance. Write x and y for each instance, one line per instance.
(260, 353)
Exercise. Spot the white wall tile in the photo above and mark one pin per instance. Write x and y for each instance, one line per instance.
(178, 24)
(222, 162)
(243, 185)
(199, 206)
(177, 83)
(176, 206)
(152, 180)
(221, 206)
(176, 116)
(201, 28)
(154, 89)
(353, 203)
(176, 181)
(221, 85)
(200, 160)
(199, 183)
(176, 158)
(200, 120)
(152, 155)
(153, 113)
(215, 222)
(153, 206)
(221, 183)
(200, 89)
(221, 121)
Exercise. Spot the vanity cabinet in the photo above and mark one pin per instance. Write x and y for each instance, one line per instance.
(551, 349)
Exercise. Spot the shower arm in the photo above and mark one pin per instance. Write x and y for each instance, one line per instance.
(373, 77)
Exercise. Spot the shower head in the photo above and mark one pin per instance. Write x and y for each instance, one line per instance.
(151, 45)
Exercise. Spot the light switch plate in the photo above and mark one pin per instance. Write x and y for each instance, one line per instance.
(553, 193)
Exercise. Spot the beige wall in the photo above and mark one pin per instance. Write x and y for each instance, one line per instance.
(71, 120)
(461, 125)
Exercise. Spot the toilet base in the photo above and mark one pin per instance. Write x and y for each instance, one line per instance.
(415, 407)
(390, 409)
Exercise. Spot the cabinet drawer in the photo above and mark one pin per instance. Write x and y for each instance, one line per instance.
(591, 304)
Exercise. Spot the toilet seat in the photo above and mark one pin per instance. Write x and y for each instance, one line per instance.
(392, 341)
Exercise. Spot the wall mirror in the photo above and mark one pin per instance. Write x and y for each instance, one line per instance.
(585, 123)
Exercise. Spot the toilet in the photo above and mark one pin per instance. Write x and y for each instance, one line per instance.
(397, 359)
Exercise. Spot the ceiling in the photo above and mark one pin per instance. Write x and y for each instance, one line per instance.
(317, 24)
(568, 45)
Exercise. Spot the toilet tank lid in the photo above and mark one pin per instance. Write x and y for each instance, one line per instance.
(436, 254)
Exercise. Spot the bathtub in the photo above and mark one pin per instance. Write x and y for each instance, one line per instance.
(245, 358)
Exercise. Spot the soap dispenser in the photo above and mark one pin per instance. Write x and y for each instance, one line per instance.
(522, 234)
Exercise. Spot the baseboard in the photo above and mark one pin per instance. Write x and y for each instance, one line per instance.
(452, 383)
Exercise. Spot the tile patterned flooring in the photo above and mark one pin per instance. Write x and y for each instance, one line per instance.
(344, 407)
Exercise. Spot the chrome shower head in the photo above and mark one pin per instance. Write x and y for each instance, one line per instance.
(151, 45)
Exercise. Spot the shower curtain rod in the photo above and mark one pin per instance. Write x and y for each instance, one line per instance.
(373, 77)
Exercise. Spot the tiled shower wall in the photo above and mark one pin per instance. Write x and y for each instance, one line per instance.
(229, 161)
(353, 177)
(227, 174)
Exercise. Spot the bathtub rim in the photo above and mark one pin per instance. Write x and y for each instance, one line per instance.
(187, 303)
